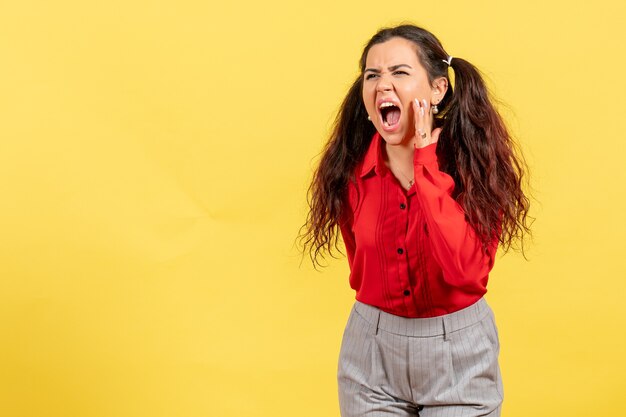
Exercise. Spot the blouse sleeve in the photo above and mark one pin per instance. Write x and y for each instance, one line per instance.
(348, 239)
(455, 244)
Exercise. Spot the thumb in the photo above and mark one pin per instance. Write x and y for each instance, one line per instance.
(434, 135)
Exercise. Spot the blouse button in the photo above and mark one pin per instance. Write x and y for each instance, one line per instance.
(400, 251)
(402, 206)
(407, 292)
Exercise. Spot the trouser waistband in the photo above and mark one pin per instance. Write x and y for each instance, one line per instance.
(429, 326)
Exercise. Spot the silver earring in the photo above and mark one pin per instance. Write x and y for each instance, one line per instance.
(435, 109)
(369, 118)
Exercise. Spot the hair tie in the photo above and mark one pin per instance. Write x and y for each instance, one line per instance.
(448, 61)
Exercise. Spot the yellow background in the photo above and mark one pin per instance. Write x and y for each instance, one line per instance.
(154, 160)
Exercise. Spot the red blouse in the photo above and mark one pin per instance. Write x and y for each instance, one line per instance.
(412, 253)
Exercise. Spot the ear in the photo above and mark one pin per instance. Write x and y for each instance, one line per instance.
(440, 86)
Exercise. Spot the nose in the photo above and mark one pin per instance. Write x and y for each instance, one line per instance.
(384, 83)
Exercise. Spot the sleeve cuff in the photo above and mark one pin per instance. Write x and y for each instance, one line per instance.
(425, 155)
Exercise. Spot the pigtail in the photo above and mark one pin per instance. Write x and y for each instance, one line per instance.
(478, 152)
(328, 192)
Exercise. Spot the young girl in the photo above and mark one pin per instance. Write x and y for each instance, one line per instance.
(423, 184)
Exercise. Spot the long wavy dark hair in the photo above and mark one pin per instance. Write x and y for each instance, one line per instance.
(474, 148)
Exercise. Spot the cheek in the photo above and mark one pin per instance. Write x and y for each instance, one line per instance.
(368, 99)
(415, 87)
(410, 94)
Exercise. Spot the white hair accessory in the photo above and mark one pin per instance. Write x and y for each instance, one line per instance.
(448, 61)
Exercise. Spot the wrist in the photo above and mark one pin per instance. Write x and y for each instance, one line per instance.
(425, 154)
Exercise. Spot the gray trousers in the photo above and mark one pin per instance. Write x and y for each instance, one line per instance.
(444, 366)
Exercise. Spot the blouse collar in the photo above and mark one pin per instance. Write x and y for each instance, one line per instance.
(374, 157)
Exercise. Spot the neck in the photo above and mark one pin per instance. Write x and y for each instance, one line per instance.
(401, 153)
(399, 160)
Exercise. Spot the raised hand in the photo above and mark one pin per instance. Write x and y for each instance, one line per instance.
(424, 133)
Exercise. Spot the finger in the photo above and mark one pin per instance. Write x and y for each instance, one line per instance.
(417, 109)
(421, 135)
(427, 108)
(416, 114)
(419, 116)
(430, 116)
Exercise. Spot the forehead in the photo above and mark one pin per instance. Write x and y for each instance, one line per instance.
(394, 51)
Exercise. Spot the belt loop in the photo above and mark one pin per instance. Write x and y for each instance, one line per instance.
(445, 331)
(377, 321)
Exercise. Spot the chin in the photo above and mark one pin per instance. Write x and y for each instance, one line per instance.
(395, 138)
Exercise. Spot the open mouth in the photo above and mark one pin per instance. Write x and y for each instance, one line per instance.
(390, 114)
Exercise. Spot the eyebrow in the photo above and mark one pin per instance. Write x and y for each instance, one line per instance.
(392, 68)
